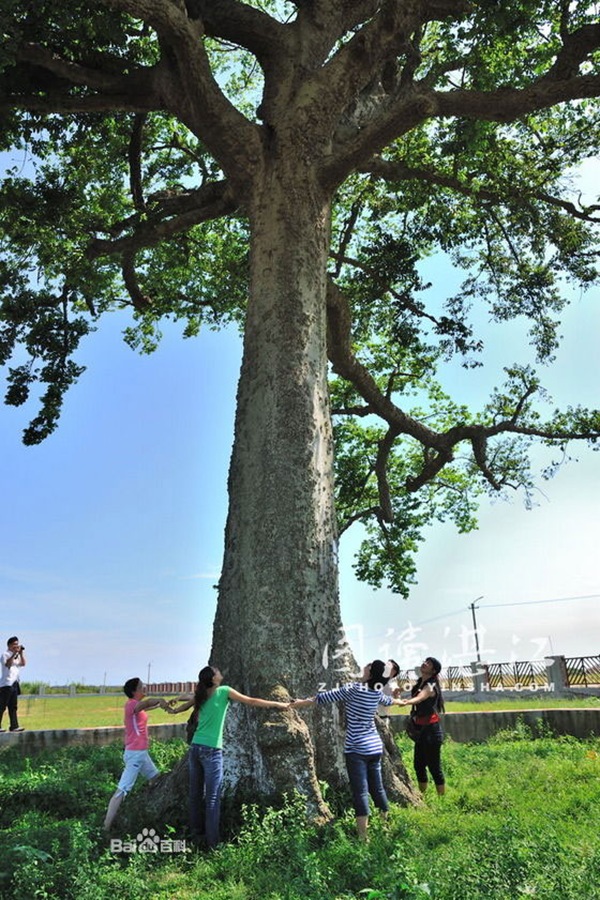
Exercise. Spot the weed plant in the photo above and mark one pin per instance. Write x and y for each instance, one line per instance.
(519, 820)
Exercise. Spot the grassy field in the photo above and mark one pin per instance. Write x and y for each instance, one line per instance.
(519, 821)
(83, 711)
(525, 702)
(97, 711)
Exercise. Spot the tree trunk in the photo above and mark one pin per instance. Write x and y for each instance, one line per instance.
(278, 629)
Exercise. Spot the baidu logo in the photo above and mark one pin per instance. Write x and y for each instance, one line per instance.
(148, 841)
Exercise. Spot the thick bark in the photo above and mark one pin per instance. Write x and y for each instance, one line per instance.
(278, 629)
(278, 598)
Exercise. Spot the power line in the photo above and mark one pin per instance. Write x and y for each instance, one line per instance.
(533, 602)
(437, 618)
(456, 612)
(496, 605)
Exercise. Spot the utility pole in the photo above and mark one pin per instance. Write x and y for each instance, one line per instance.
(472, 607)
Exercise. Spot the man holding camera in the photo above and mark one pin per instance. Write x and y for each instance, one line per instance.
(11, 661)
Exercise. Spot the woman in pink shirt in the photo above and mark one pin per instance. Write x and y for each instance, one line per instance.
(136, 757)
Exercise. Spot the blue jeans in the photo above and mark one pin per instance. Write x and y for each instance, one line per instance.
(206, 778)
(137, 762)
(365, 778)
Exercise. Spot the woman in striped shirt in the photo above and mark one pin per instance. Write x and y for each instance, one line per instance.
(363, 746)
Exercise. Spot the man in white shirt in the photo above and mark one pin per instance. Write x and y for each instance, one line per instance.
(11, 661)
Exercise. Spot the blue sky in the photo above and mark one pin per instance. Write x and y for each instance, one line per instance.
(112, 532)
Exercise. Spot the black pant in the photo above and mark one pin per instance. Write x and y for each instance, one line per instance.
(428, 750)
(9, 698)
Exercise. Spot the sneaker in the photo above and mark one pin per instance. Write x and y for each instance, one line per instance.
(16, 729)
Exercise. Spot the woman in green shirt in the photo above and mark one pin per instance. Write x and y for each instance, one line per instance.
(211, 701)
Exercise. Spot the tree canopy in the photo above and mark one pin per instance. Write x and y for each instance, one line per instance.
(434, 127)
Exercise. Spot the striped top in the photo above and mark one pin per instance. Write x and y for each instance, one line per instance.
(361, 705)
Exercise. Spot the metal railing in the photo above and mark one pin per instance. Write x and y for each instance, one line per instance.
(517, 674)
(578, 671)
(582, 671)
(453, 678)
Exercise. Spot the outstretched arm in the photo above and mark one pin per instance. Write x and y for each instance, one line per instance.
(186, 704)
(298, 704)
(256, 701)
(152, 703)
(396, 701)
(423, 694)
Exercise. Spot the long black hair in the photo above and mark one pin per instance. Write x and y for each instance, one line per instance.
(205, 682)
(437, 668)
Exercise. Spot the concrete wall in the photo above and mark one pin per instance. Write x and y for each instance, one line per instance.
(479, 726)
(33, 741)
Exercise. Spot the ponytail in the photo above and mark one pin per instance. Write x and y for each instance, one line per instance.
(205, 682)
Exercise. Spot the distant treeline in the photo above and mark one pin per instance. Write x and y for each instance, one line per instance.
(43, 689)
(74, 687)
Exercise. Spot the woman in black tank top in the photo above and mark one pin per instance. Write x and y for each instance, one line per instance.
(427, 704)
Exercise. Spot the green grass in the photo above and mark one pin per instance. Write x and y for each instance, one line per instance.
(519, 820)
(520, 703)
(94, 712)
(81, 712)
(524, 702)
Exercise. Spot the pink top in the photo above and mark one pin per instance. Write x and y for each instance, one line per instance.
(136, 731)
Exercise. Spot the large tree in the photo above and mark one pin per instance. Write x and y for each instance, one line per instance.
(287, 165)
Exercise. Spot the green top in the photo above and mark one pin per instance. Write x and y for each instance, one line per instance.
(209, 732)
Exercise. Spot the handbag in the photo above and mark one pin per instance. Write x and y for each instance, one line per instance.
(412, 729)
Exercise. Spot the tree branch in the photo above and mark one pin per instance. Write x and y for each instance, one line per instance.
(508, 104)
(577, 47)
(135, 164)
(140, 301)
(212, 201)
(63, 102)
(411, 107)
(358, 63)
(74, 73)
(411, 307)
(242, 25)
(438, 446)
(386, 445)
(398, 171)
(361, 411)
(412, 103)
(231, 138)
(344, 363)
(356, 517)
